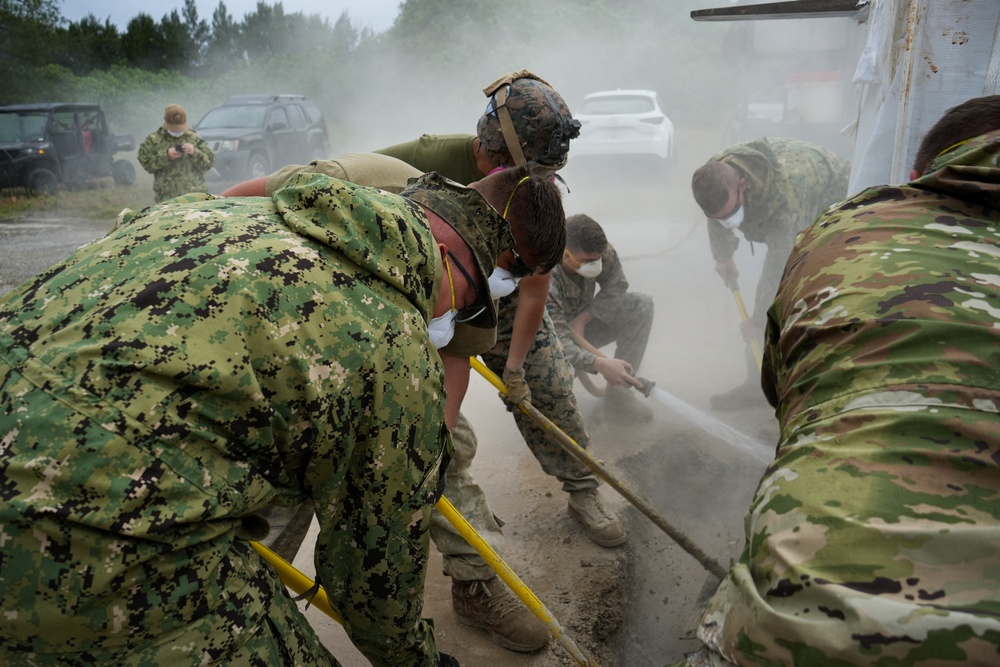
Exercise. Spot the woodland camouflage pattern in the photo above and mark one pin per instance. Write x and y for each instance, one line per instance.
(789, 183)
(530, 104)
(874, 537)
(172, 178)
(166, 382)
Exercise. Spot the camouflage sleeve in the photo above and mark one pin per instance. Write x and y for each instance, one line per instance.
(723, 241)
(561, 310)
(152, 153)
(274, 181)
(374, 539)
(203, 157)
(613, 284)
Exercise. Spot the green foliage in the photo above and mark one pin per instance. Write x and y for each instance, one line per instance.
(422, 75)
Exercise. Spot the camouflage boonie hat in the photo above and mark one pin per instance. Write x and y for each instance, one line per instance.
(540, 124)
(483, 229)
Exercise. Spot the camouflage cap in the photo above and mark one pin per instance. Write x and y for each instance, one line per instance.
(467, 212)
(540, 124)
(175, 118)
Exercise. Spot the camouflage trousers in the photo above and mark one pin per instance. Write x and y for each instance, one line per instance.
(461, 561)
(550, 378)
(629, 328)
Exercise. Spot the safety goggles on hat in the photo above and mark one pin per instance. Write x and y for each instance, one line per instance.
(519, 268)
(556, 154)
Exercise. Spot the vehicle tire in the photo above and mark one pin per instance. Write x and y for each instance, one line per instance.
(41, 181)
(257, 166)
(123, 172)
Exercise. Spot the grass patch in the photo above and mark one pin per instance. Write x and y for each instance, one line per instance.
(99, 199)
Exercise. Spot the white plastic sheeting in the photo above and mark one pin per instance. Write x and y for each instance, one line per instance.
(921, 58)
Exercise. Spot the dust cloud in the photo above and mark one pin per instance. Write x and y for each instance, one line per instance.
(719, 83)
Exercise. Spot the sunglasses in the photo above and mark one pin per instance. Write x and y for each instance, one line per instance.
(469, 313)
(520, 268)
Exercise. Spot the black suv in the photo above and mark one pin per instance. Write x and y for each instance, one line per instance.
(251, 135)
(43, 145)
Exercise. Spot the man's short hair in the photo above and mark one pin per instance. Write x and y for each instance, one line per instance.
(965, 121)
(584, 233)
(710, 185)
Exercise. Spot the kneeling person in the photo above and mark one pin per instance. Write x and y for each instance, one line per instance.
(587, 318)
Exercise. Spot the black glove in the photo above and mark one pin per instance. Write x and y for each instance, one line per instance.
(445, 660)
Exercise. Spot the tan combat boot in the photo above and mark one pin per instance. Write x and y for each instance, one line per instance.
(602, 526)
(625, 404)
(489, 605)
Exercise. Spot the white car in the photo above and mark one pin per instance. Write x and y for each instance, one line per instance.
(623, 122)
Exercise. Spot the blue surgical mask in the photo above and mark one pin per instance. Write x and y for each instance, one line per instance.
(502, 283)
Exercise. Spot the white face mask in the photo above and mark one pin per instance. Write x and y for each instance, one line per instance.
(174, 134)
(502, 283)
(590, 269)
(442, 329)
(734, 220)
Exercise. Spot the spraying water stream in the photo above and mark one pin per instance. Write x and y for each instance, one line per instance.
(714, 427)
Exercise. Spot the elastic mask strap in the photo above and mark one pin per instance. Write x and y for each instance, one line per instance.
(451, 281)
(511, 198)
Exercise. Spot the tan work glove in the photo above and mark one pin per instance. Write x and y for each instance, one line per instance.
(517, 388)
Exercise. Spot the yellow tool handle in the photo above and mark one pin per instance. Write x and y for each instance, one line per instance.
(571, 446)
(511, 579)
(298, 582)
(754, 345)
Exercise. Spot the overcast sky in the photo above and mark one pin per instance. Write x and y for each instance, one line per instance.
(375, 14)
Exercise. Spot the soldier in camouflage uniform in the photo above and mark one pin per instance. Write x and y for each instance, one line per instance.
(210, 356)
(873, 536)
(175, 172)
(770, 189)
(591, 306)
(480, 598)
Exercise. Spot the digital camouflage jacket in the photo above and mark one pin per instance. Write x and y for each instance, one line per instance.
(571, 294)
(172, 178)
(874, 536)
(789, 183)
(171, 379)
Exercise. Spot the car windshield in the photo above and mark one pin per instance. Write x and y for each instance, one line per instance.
(233, 116)
(20, 127)
(604, 106)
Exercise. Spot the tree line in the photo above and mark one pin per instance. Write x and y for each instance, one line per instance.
(434, 54)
